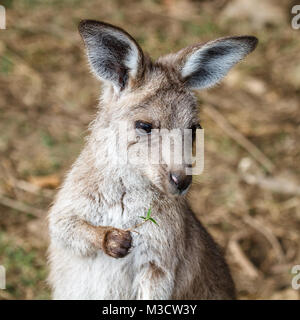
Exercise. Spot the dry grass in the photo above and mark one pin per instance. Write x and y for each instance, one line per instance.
(48, 97)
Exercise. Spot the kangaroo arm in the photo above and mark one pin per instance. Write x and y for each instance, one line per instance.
(78, 235)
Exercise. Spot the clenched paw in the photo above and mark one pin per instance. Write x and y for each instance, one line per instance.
(117, 242)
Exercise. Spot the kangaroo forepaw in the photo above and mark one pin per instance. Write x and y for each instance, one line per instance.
(117, 242)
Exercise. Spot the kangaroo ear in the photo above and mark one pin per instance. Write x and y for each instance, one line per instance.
(203, 66)
(113, 54)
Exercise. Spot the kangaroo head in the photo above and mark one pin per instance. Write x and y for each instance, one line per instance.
(148, 95)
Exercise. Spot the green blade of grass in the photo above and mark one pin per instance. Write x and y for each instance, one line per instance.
(151, 219)
(149, 213)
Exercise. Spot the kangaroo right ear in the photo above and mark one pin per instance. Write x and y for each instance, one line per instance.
(113, 54)
(203, 65)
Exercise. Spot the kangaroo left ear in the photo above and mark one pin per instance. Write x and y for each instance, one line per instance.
(113, 54)
(203, 66)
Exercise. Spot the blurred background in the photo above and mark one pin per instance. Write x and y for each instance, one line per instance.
(248, 195)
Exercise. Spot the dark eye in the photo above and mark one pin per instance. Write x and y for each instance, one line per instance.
(143, 127)
(194, 128)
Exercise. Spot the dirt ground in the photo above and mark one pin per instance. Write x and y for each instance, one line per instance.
(248, 195)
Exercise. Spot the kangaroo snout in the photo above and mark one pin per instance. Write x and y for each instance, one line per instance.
(179, 182)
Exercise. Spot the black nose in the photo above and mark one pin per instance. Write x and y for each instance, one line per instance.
(180, 180)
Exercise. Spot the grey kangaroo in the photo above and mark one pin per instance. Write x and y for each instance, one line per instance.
(92, 253)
